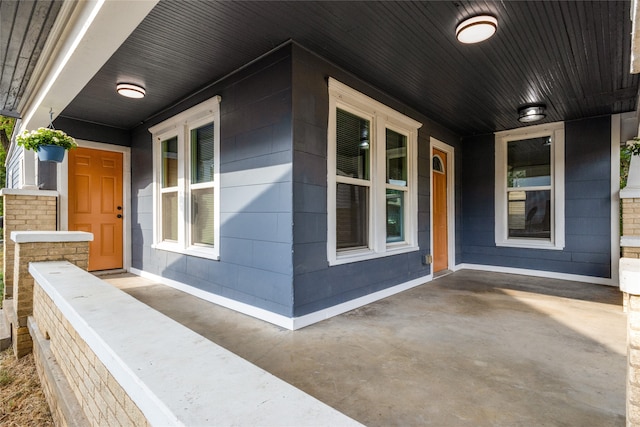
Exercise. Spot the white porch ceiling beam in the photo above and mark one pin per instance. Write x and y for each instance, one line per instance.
(84, 37)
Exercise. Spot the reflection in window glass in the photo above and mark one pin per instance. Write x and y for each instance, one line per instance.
(202, 226)
(396, 158)
(530, 214)
(170, 216)
(395, 216)
(202, 154)
(352, 216)
(170, 162)
(353, 138)
(437, 164)
(529, 162)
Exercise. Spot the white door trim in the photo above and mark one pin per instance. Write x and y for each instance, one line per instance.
(451, 206)
(616, 140)
(63, 190)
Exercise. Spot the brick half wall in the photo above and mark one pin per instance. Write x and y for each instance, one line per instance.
(127, 364)
(36, 246)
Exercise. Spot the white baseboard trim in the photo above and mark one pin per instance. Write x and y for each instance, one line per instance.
(317, 316)
(538, 273)
(320, 315)
(249, 310)
(277, 319)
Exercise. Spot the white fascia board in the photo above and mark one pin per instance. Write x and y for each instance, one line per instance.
(85, 36)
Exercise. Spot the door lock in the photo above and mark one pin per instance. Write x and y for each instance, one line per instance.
(119, 216)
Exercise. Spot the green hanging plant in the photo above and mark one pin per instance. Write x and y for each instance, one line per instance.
(32, 140)
(633, 146)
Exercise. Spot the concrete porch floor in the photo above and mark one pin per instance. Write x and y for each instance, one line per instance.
(468, 349)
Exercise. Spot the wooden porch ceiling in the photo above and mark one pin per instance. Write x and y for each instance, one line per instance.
(574, 56)
(24, 28)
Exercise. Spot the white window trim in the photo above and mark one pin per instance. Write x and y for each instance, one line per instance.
(382, 118)
(180, 126)
(556, 131)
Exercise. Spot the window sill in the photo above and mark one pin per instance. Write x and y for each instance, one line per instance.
(200, 252)
(366, 254)
(529, 244)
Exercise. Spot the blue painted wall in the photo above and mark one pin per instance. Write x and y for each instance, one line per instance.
(255, 265)
(93, 131)
(316, 285)
(587, 205)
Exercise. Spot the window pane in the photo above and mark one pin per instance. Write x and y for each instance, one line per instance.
(170, 162)
(170, 216)
(530, 214)
(202, 231)
(202, 154)
(529, 162)
(395, 216)
(352, 216)
(396, 158)
(353, 135)
(437, 164)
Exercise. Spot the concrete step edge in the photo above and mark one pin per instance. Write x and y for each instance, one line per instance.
(5, 332)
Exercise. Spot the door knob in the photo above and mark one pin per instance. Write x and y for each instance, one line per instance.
(119, 216)
(119, 208)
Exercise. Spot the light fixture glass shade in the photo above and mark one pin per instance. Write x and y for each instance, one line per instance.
(130, 90)
(531, 113)
(476, 29)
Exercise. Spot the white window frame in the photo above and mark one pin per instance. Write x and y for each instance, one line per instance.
(381, 118)
(180, 126)
(556, 132)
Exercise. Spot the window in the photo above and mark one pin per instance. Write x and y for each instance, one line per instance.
(530, 187)
(372, 178)
(437, 164)
(186, 167)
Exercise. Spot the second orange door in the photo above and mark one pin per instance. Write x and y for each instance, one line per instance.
(440, 229)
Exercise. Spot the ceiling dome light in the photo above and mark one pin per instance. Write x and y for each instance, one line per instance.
(531, 113)
(476, 29)
(130, 90)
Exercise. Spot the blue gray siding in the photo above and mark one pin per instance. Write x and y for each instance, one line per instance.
(587, 205)
(316, 285)
(255, 265)
(93, 131)
(14, 168)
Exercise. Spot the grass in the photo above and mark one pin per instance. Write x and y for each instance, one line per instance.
(5, 377)
(22, 402)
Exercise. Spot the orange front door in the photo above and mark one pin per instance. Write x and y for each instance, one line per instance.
(440, 231)
(95, 204)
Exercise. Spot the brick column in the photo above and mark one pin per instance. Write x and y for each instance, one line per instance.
(32, 246)
(630, 285)
(24, 210)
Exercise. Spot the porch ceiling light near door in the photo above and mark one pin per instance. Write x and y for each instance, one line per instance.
(130, 90)
(531, 113)
(476, 29)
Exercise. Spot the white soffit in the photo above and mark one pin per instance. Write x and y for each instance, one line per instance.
(85, 36)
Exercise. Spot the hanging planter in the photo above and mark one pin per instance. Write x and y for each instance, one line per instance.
(49, 143)
(51, 153)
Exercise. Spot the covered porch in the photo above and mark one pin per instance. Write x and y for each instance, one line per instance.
(471, 348)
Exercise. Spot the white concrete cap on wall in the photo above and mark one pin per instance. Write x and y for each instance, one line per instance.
(630, 275)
